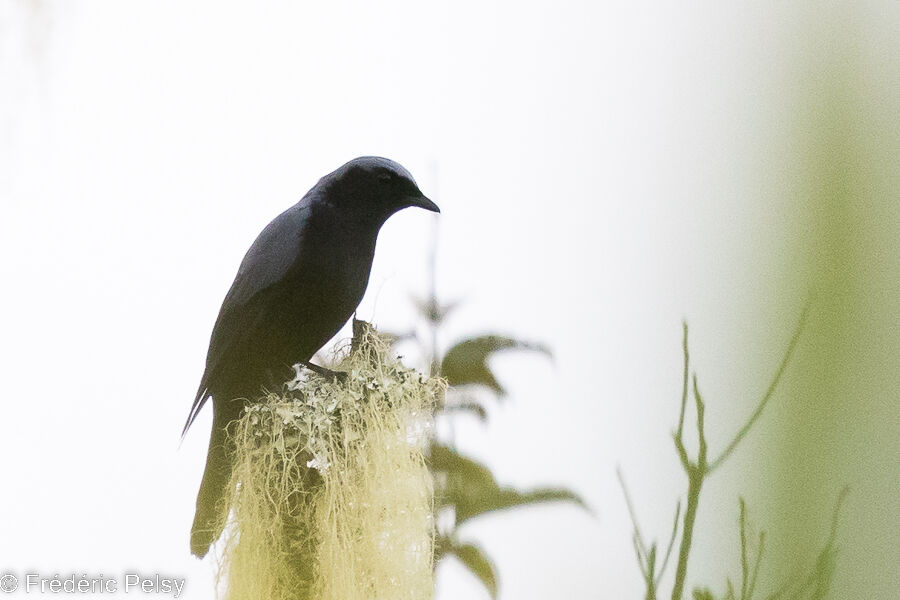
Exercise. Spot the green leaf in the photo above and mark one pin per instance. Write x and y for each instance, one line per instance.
(466, 362)
(457, 477)
(478, 563)
(508, 497)
(470, 488)
(466, 404)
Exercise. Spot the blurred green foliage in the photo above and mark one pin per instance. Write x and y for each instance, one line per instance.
(464, 487)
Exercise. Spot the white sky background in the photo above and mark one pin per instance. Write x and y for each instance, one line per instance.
(600, 171)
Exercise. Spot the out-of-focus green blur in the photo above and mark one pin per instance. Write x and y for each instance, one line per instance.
(839, 419)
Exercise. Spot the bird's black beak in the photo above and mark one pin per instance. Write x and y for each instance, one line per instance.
(422, 202)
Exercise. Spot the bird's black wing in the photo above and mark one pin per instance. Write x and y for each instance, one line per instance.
(266, 263)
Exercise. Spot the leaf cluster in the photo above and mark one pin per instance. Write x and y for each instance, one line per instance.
(464, 487)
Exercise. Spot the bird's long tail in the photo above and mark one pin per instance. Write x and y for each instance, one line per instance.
(209, 518)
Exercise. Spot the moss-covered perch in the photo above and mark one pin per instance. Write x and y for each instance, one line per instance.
(332, 498)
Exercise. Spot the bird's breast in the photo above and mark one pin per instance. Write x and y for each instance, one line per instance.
(326, 285)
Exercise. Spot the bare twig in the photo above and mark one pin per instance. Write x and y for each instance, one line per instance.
(640, 556)
(639, 539)
(702, 464)
(770, 391)
(745, 568)
(646, 558)
(432, 298)
(755, 575)
(670, 545)
(678, 436)
(696, 472)
(684, 386)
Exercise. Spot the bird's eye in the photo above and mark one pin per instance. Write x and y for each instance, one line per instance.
(384, 177)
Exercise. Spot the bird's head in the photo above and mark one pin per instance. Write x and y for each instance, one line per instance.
(375, 188)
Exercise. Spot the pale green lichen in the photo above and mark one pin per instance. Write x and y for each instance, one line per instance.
(332, 496)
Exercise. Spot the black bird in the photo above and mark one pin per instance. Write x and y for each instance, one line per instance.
(298, 284)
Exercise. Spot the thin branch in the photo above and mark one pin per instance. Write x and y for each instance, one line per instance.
(696, 477)
(835, 516)
(795, 587)
(433, 299)
(684, 385)
(767, 396)
(686, 463)
(729, 594)
(745, 568)
(701, 432)
(678, 435)
(640, 556)
(651, 576)
(696, 472)
(639, 539)
(671, 544)
(759, 555)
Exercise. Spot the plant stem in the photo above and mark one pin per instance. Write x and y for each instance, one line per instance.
(696, 472)
(695, 484)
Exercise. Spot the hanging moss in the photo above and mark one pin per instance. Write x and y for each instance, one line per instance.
(332, 497)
